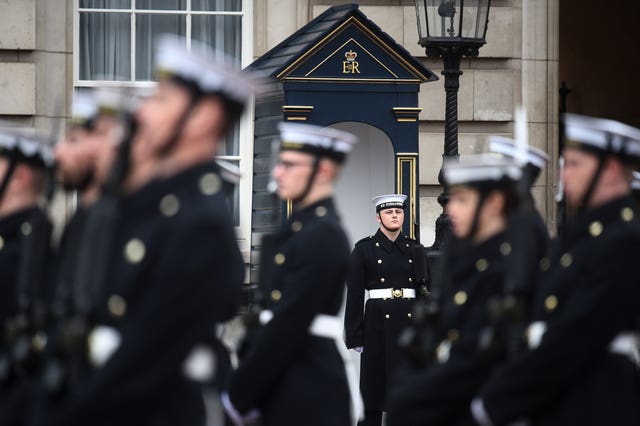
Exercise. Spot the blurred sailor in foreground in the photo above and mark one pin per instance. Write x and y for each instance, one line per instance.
(294, 372)
(483, 195)
(392, 268)
(83, 158)
(582, 363)
(25, 160)
(172, 268)
(534, 162)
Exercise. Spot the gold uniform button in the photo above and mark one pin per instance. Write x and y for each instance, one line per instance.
(545, 263)
(381, 280)
(25, 228)
(460, 298)
(276, 295)
(505, 249)
(321, 211)
(410, 260)
(387, 316)
(169, 205)
(134, 251)
(296, 226)
(377, 244)
(379, 261)
(39, 341)
(117, 306)
(410, 279)
(409, 315)
(566, 260)
(209, 183)
(453, 335)
(627, 214)
(1, 243)
(407, 245)
(279, 259)
(482, 264)
(550, 303)
(595, 228)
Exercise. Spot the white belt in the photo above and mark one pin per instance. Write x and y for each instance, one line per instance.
(627, 344)
(392, 293)
(331, 327)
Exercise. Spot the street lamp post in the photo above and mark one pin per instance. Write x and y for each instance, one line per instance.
(451, 29)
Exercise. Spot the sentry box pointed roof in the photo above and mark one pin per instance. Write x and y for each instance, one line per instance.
(342, 45)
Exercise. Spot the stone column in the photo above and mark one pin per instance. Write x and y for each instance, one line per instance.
(540, 92)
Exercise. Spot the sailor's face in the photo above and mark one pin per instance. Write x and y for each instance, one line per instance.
(291, 173)
(76, 157)
(160, 114)
(579, 168)
(107, 136)
(391, 218)
(461, 208)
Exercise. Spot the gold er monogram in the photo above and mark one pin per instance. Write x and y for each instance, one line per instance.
(350, 66)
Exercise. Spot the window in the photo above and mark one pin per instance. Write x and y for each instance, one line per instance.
(114, 45)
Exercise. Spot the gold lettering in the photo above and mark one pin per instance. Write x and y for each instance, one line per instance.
(354, 68)
(346, 67)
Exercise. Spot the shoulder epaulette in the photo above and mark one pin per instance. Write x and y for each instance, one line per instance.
(365, 239)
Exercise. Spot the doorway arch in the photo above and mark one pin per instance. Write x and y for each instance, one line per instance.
(369, 171)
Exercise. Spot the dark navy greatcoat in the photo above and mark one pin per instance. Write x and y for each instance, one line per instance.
(11, 238)
(378, 263)
(587, 295)
(292, 377)
(174, 271)
(441, 394)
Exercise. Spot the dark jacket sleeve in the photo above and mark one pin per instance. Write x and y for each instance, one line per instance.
(438, 395)
(603, 304)
(306, 289)
(354, 310)
(441, 394)
(193, 284)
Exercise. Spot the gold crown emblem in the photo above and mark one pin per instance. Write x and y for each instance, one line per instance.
(350, 55)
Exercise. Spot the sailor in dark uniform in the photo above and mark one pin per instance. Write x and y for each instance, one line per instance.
(76, 159)
(534, 162)
(24, 161)
(529, 235)
(582, 363)
(173, 268)
(483, 194)
(384, 265)
(294, 373)
(82, 157)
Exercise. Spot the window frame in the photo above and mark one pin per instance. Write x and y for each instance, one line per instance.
(245, 143)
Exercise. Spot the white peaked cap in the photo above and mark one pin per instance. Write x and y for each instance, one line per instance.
(507, 147)
(603, 135)
(26, 146)
(388, 201)
(480, 168)
(316, 140)
(209, 70)
(84, 106)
